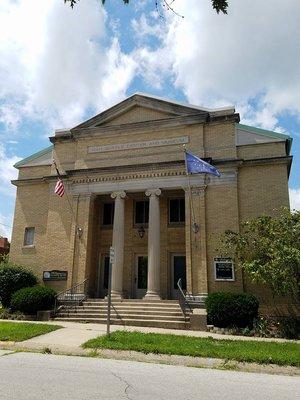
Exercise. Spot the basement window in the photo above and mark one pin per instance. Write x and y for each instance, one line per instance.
(29, 236)
(108, 212)
(224, 269)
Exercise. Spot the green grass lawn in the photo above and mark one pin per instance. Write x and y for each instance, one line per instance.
(239, 350)
(19, 331)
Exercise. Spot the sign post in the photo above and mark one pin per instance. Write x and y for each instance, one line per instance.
(111, 261)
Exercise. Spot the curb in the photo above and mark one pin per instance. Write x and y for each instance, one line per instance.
(176, 360)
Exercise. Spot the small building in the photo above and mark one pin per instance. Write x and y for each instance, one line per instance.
(4, 246)
(126, 186)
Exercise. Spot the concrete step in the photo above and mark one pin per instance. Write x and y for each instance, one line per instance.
(131, 322)
(123, 316)
(129, 308)
(125, 311)
(127, 304)
(93, 300)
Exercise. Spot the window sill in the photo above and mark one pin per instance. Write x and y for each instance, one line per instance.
(224, 280)
(176, 224)
(29, 246)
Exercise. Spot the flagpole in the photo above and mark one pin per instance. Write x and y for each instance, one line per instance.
(195, 227)
(70, 205)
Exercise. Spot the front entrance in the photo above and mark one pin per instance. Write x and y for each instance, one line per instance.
(178, 271)
(141, 276)
(103, 273)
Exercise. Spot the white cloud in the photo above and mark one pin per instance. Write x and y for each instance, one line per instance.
(249, 57)
(295, 199)
(57, 62)
(7, 190)
(7, 172)
(5, 226)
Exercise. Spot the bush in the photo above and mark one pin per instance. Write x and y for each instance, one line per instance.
(289, 327)
(12, 278)
(230, 309)
(32, 299)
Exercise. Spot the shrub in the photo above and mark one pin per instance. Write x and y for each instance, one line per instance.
(32, 299)
(12, 278)
(230, 309)
(289, 327)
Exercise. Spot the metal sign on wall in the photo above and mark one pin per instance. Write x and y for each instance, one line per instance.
(55, 275)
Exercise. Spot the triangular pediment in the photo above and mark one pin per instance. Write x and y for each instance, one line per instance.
(140, 108)
(43, 157)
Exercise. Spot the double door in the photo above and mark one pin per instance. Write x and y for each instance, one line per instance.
(177, 271)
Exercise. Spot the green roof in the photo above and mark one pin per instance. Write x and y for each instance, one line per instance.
(271, 134)
(33, 156)
(263, 132)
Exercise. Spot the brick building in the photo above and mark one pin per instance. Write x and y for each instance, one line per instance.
(4, 246)
(126, 185)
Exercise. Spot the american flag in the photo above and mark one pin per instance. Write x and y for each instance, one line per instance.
(59, 188)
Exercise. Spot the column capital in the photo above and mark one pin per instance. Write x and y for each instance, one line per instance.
(118, 195)
(153, 192)
(196, 190)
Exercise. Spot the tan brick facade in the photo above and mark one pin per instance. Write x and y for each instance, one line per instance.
(253, 181)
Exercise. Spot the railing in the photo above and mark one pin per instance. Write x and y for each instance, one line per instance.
(184, 305)
(187, 301)
(73, 296)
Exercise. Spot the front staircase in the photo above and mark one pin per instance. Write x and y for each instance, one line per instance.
(129, 312)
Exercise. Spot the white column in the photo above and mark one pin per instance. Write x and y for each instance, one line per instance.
(153, 287)
(118, 244)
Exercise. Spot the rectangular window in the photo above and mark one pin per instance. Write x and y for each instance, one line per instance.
(224, 269)
(141, 212)
(176, 210)
(29, 236)
(108, 214)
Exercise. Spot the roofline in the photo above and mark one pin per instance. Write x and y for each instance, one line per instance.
(33, 156)
(213, 112)
(275, 135)
(181, 103)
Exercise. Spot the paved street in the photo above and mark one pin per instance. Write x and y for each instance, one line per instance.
(40, 376)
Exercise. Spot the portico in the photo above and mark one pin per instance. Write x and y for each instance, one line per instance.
(167, 249)
(144, 262)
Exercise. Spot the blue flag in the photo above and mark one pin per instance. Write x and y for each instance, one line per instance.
(195, 165)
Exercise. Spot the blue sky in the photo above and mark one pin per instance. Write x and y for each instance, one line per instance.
(59, 67)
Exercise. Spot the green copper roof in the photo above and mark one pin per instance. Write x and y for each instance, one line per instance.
(263, 132)
(33, 156)
(267, 133)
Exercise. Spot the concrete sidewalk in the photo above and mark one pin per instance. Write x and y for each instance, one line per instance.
(69, 339)
(74, 334)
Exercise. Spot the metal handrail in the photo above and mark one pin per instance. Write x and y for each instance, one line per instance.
(182, 300)
(75, 294)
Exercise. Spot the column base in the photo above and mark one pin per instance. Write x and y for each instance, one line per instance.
(151, 296)
(116, 295)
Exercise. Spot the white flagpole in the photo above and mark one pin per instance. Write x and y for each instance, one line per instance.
(68, 200)
(195, 227)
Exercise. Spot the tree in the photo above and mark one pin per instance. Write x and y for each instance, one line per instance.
(218, 5)
(268, 250)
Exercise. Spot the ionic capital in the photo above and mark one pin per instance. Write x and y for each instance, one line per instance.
(195, 190)
(153, 192)
(118, 195)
